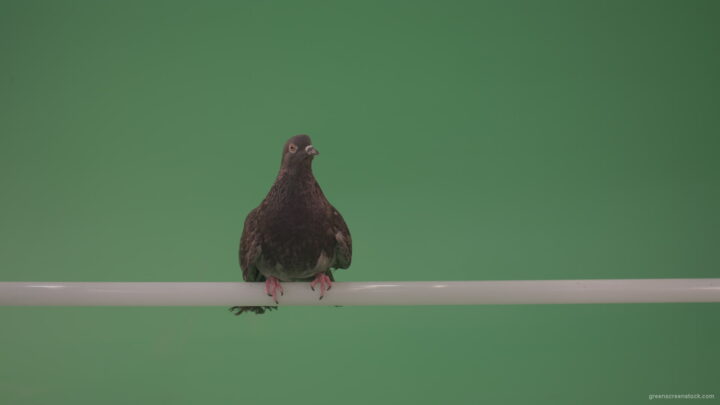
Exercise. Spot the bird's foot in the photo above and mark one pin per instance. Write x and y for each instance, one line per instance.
(324, 281)
(273, 287)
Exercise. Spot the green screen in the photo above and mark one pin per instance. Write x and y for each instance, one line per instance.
(461, 140)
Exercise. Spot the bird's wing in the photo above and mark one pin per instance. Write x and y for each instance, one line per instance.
(343, 249)
(250, 248)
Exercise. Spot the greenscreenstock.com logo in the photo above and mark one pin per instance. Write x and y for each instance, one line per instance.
(681, 396)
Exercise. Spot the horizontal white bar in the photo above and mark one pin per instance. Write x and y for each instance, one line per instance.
(363, 293)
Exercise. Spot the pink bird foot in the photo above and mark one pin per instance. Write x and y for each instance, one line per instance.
(324, 281)
(272, 287)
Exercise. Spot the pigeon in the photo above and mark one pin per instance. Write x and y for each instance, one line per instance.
(295, 234)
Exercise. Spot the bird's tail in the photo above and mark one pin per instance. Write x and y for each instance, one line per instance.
(258, 310)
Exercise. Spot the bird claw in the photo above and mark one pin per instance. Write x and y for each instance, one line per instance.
(323, 280)
(273, 287)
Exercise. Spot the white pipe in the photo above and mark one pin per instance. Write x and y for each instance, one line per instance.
(363, 293)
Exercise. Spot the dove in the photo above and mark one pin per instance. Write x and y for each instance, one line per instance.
(295, 234)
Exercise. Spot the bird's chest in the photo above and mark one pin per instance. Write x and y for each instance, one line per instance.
(297, 243)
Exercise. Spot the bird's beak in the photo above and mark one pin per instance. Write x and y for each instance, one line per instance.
(310, 150)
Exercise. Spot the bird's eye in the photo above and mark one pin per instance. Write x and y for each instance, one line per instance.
(292, 148)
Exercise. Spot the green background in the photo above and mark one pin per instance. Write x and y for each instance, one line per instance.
(468, 140)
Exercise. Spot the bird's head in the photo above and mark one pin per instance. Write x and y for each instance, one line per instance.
(298, 152)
